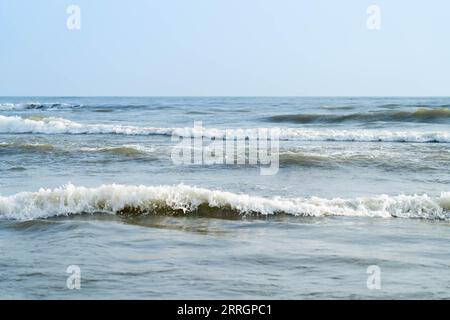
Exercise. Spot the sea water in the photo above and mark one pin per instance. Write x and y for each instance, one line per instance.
(91, 183)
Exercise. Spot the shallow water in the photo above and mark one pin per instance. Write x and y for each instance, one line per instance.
(364, 181)
(165, 257)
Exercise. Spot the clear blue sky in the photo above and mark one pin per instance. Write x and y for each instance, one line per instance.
(224, 47)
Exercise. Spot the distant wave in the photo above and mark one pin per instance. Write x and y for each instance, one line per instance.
(301, 158)
(334, 107)
(27, 146)
(419, 106)
(52, 125)
(182, 200)
(31, 147)
(419, 115)
(124, 150)
(419, 161)
(37, 106)
(96, 107)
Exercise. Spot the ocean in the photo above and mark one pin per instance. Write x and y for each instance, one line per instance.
(358, 206)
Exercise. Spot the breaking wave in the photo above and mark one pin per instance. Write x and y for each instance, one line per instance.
(53, 125)
(183, 200)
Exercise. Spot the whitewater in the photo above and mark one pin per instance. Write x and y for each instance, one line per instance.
(181, 199)
(52, 125)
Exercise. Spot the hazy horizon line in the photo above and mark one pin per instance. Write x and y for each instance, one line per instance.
(224, 96)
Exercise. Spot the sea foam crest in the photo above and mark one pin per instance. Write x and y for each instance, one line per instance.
(36, 106)
(53, 125)
(182, 199)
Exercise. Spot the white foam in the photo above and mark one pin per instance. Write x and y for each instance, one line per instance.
(362, 135)
(53, 125)
(112, 199)
(8, 106)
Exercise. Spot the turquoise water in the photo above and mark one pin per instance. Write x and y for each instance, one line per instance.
(91, 182)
